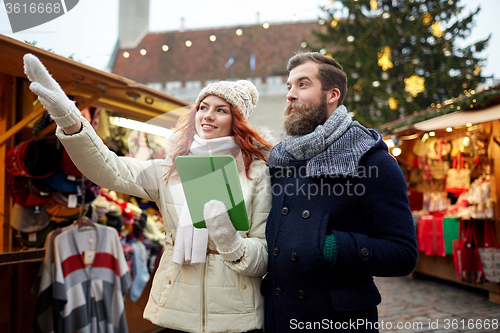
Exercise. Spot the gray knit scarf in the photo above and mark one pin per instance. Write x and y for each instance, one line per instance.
(334, 148)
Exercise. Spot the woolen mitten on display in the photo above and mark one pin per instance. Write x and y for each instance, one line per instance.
(60, 107)
(221, 230)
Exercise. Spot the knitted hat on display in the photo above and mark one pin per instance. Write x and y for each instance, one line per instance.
(241, 94)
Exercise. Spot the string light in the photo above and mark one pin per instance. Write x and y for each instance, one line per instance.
(126, 54)
(143, 52)
(449, 129)
(213, 38)
(164, 48)
(239, 32)
(188, 43)
(265, 25)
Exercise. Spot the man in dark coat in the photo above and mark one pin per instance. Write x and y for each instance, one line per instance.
(340, 213)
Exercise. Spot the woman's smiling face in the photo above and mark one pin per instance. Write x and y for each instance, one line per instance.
(214, 118)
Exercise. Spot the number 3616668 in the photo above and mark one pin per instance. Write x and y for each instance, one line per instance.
(33, 8)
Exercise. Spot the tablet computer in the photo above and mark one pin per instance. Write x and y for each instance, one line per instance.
(212, 177)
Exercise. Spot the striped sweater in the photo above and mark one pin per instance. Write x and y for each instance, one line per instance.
(91, 296)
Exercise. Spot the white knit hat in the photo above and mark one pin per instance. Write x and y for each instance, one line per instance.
(241, 94)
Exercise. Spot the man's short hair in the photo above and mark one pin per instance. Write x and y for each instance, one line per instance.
(331, 74)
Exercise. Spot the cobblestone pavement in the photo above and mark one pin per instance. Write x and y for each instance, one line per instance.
(429, 305)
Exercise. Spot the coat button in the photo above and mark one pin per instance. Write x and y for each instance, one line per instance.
(277, 291)
(306, 214)
(294, 256)
(284, 210)
(276, 251)
(364, 252)
(301, 294)
(169, 281)
(289, 173)
(243, 287)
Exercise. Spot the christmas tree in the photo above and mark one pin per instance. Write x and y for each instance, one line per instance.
(400, 56)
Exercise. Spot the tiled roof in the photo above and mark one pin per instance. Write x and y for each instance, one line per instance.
(205, 59)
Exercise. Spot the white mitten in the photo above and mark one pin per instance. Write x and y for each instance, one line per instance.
(60, 107)
(221, 230)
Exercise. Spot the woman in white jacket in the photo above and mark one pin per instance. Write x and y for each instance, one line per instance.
(212, 287)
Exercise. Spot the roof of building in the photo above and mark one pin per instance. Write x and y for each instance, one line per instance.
(471, 102)
(206, 60)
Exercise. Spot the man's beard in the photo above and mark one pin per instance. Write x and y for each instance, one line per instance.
(305, 119)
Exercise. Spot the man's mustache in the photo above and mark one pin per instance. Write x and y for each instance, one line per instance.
(298, 107)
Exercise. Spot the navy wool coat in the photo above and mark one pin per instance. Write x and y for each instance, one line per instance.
(372, 223)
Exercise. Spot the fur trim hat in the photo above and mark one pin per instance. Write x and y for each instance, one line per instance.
(241, 94)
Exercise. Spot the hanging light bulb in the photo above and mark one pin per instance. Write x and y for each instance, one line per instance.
(389, 143)
(396, 151)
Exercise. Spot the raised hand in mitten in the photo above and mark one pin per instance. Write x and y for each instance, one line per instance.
(60, 107)
(221, 230)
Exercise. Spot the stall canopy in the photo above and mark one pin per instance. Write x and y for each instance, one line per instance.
(115, 93)
(460, 118)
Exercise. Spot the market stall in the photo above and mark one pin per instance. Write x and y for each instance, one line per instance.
(450, 155)
(33, 159)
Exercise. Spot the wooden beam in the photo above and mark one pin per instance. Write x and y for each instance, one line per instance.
(7, 100)
(29, 118)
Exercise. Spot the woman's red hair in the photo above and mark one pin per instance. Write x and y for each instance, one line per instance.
(243, 135)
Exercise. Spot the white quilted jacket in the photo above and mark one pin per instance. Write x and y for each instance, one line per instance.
(218, 296)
